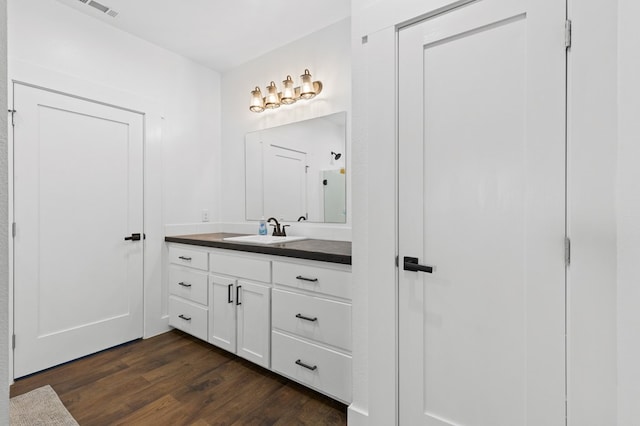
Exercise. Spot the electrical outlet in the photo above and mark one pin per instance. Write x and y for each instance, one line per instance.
(205, 215)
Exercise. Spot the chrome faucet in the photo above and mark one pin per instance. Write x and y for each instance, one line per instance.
(277, 230)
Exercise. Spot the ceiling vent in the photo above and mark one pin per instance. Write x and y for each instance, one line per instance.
(101, 7)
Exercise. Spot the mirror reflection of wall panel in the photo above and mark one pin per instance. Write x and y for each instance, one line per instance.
(334, 196)
(268, 193)
(254, 176)
(284, 183)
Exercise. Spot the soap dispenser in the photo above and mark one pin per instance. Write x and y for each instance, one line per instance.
(262, 229)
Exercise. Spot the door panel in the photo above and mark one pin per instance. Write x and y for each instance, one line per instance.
(254, 322)
(481, 178)
(222, 322)
(78, 193)
(285, 182)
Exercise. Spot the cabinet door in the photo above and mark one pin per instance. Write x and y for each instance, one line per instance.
(254, 324)
(222, 318)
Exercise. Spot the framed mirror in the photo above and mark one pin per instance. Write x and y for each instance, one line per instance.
(298, 171)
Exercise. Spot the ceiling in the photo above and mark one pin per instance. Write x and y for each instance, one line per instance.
(220, 34)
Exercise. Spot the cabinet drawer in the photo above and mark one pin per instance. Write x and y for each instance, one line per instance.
(188, 317)
(325, 321)
(326, 370)
(241, 266)
(188, 284)
(320, 280)
(187, 257)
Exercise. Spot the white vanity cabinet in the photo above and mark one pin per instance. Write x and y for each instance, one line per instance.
(311, 325)
(240, 302)
(290, 315)
(188, 290)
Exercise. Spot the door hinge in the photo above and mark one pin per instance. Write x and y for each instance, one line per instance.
(13, 341)
(567, 251)
(397, 261)
(567, 33)
(12, 112)
(13, 229)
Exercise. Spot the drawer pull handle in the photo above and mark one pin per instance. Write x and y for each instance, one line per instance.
(188, 259)
(238, 295)
(307, 366)
(183, 284)
(314, 319)
(313, 280)
(184, 318)
(229, 299)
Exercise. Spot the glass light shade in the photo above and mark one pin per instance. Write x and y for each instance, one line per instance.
(288, 92)
(257, 103)
(307, 91)
(272, 100)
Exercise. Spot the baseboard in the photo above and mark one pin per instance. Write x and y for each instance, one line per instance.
(357, 417)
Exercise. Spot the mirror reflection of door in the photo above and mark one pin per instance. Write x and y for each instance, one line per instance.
(322, 140)
(284, 182)
(333, 184)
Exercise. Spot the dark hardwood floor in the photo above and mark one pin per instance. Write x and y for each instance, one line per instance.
(175, 379)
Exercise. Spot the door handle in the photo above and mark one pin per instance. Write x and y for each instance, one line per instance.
(307, 366)
(238, 295)
(229, 299)
(300, 316)
(135, 237)
(411, 264)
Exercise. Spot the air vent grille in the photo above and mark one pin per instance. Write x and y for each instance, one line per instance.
(101, 7)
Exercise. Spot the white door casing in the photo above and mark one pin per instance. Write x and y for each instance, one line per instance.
(482, 199)
(78, 185)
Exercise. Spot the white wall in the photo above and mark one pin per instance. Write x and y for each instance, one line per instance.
(628, 213)
(326, 53)
(51, 35)
(57, 47)
(4, 220)
(591, 216)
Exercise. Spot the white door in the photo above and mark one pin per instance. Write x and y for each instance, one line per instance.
(78, 194)
(482, 201)
(222, 315)
(285, 183)
(254, 322)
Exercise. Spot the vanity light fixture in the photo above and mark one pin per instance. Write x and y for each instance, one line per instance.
(308, 89)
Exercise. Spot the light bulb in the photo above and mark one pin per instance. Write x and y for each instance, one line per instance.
(307, 90)
(288, 92)
(257, 103)
(272, 100)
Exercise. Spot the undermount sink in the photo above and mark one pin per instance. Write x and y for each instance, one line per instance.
(263, 239)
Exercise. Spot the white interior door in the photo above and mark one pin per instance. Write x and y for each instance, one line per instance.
(482, 200)
(285, 183)
(78, 193)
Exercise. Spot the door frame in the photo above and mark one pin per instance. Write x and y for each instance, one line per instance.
(155, 309)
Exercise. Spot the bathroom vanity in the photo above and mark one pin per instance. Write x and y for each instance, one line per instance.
(285, 306)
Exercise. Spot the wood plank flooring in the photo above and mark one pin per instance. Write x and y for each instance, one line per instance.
(175, 379)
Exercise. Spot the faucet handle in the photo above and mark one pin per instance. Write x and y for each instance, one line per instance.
(284, 232)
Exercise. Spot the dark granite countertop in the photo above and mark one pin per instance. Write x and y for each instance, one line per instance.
(311, 249)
